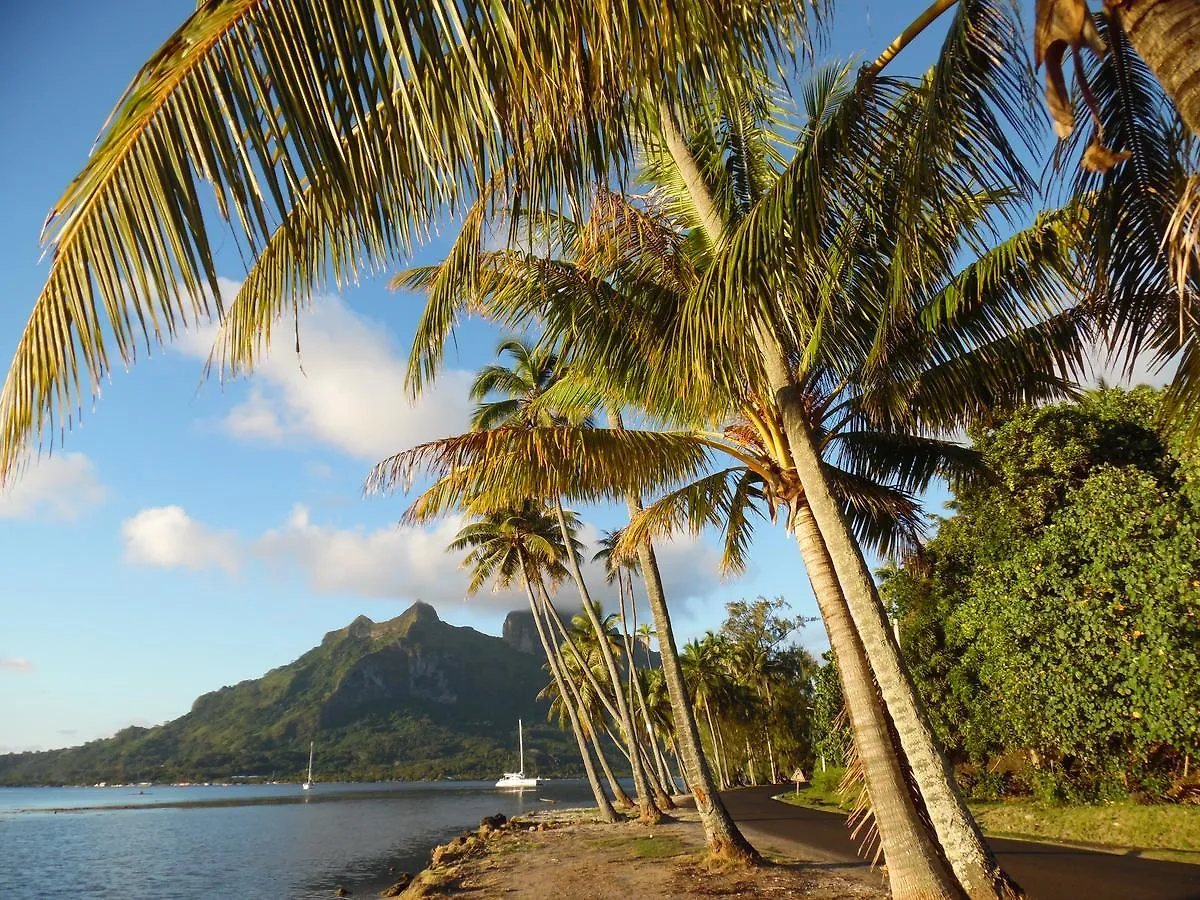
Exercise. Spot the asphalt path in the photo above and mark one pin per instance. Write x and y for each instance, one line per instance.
(1046, 871)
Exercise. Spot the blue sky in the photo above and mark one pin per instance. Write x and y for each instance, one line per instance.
(190, 535)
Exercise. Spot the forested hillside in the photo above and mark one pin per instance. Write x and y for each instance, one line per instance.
(409, 698)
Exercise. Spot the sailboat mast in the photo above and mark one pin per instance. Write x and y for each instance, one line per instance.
(521, 743)
(311, 745)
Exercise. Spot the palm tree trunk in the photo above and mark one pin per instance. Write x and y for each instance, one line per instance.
(650, 814)
(687, 786)
(751, 766)
(588, 725)
(664, 770)
(915, 867)
(1166, 34)
(585, 669)
(621, 798)
(974, 866)
(602, 802)
(661, 797)
(970, 858)
(652, 761)
(720, 750)
(720, 833)
(718, 762)
(638, 700)
(771, 756)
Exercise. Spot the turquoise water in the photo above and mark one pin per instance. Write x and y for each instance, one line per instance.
(246, 842)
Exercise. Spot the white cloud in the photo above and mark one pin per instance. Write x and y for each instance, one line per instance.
(15, 664)
(167, 537)
(346, 389)
(59, 487)
(402, 562)
(393, 562)
(254, 419)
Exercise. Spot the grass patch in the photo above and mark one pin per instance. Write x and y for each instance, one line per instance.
(822, 793)
(1154, 828)
(646, 846)
(1158, 831)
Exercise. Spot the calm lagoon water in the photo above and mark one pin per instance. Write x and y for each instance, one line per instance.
(248, 842)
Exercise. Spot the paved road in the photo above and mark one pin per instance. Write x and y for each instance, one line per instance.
(1048, 872)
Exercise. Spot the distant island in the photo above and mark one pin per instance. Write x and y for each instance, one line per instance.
(412, 698)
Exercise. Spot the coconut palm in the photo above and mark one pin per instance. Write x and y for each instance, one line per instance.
(519, 389)
(525, 544)
(337, 136)
(621, 573)
(583, 669)
(1025, 266)
(709, 685)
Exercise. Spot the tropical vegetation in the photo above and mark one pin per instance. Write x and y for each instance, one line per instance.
(1052, 624)
(818, 293)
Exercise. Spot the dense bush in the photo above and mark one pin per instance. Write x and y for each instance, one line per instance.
(1055, 615)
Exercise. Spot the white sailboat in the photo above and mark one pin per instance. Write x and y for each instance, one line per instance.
(308, 782)
(517, 780)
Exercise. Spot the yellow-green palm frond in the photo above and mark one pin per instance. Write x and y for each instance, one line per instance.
(588, 464)
(262, 100)
(728, 500)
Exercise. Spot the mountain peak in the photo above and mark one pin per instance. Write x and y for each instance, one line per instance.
(420, 611)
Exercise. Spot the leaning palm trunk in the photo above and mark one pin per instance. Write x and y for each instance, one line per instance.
(649, 813)
(637, 701)
(720, 832)
(679, 765)
(621, 798)
(915, 866)
(718, 757)
(1166, 34)
(771, 756)
(575, 695)
(974, 866)
(602, 802)
(661, 797)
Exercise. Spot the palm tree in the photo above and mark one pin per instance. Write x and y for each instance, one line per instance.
(1030, 260)
(525, 543)
(622, 573)
(474, 93)
(708, 684)
(583, 668)
(519, 387)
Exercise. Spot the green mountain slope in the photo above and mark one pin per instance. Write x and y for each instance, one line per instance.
(410, 698)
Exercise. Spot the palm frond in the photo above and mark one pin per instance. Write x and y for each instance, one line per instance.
(259, 98)
(492, 469)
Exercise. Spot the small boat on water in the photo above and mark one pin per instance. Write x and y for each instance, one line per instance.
(308, 782)
(516, 781)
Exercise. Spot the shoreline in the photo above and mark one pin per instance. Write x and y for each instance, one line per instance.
(571, 852)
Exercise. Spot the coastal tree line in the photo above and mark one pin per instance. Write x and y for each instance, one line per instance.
(799, 291)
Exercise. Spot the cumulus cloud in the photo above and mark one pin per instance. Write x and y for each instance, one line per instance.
(403, 562)
(166, 536)
(60, 487)
(393, 562)
(15, 664)
(346, 389)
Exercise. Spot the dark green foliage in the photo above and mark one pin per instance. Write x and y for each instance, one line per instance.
(757, 684)
(829, 732)
(412, 698)
(1053, 626)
